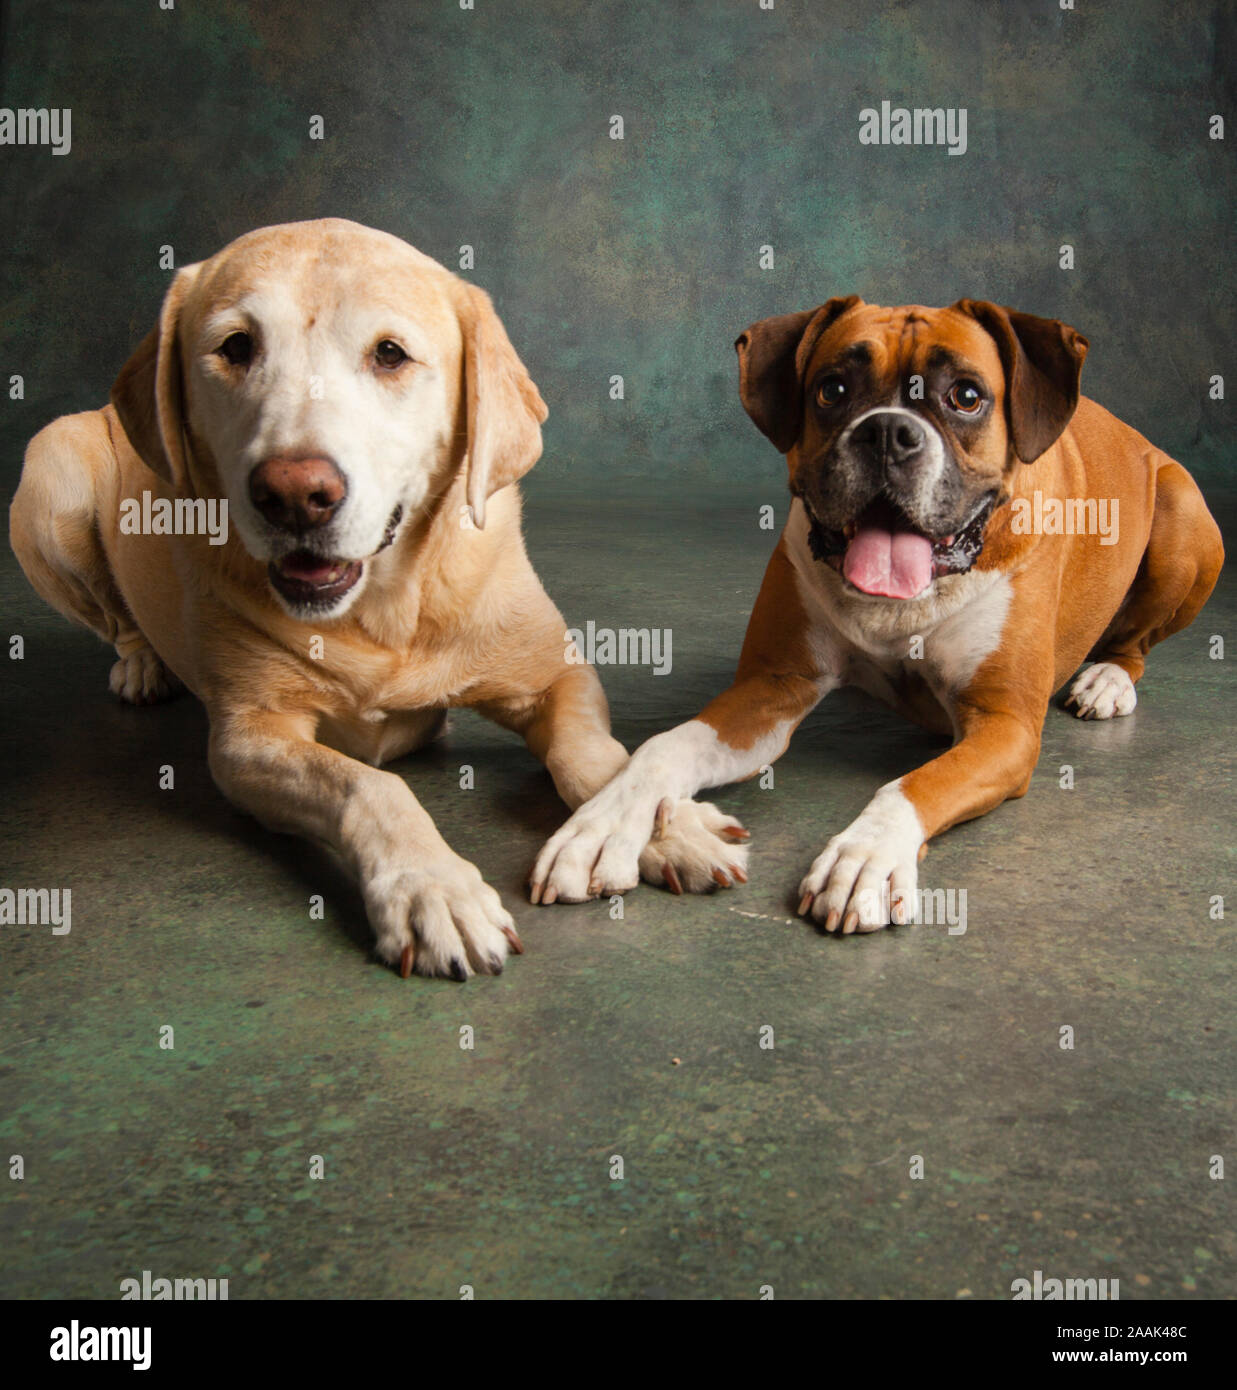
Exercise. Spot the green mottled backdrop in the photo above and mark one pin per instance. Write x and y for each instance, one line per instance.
(491, 127)
(746, 1168)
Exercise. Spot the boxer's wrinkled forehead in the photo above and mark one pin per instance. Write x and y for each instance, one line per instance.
(959, 342)
(887, 346)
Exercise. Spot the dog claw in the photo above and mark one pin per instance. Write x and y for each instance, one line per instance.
(851, 922)
(720, 879)
(516, 944)
(551, 896)
(458, 972)
(736, 833)
(671, 879)
(664, 811)
(806, 903)
(738, 873)
(923, 851)
(832, 920)
(405, 962)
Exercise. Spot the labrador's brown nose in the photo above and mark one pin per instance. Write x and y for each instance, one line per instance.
(297, 494)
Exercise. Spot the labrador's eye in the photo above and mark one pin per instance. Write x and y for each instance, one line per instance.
(237, 349)
(389, 354)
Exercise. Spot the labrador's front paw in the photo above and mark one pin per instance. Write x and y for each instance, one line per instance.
(440, 918)
(868, 876)
(695, 848)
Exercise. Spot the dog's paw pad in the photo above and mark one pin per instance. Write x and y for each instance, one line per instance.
(140, 678)
(1102, 692)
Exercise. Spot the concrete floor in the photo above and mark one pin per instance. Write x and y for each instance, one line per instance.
(743, 1167)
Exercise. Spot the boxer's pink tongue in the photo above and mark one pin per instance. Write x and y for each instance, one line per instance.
(893, 564)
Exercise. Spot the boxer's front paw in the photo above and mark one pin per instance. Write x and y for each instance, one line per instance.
(606, 848)
(607, 832)
(1102, 691)
(439, 917)
(868, 876)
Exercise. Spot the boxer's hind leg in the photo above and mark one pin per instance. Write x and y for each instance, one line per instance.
(1178, 572)
(54, 531)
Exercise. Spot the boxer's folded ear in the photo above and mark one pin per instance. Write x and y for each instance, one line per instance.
(773, 355)
(1043, 360)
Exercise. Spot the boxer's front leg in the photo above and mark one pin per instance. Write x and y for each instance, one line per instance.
(867, 876)
(611, 841)
(601, 849)
(568, 728)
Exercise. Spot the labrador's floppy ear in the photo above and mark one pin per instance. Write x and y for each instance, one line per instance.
(773, 355)
(1043, 360)
(505, 409)
(149, 392)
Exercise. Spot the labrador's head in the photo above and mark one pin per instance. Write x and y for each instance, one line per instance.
(902, 427)
(329, 381)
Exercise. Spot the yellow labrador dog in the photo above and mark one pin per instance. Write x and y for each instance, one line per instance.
(365, 418)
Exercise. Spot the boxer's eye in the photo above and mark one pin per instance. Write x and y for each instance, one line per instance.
(237, 349)
(389, 354)
(965, 397)
(831, 391)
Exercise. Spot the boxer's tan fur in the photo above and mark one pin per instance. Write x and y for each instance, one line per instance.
(437, 612)
(1000, 634)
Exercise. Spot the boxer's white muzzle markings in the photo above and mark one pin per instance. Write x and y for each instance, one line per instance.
(366, 418)
(909, 433)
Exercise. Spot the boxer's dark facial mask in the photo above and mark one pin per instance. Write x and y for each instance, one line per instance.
(892, 502)
(902, 428)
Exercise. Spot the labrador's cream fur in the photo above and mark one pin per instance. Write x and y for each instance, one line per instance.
(449, 613)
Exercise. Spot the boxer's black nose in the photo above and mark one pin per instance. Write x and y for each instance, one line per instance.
(890, 437)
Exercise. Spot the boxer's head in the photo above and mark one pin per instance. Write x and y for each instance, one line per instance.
(901, 426)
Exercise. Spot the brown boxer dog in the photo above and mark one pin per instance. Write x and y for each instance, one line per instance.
(964, 531)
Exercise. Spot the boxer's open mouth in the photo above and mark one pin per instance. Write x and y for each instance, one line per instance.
(309, 580)
(884, 554)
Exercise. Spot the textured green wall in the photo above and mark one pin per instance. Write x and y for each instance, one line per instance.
(491, 127)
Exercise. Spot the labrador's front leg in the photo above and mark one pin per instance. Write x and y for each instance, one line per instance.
(431, 911)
